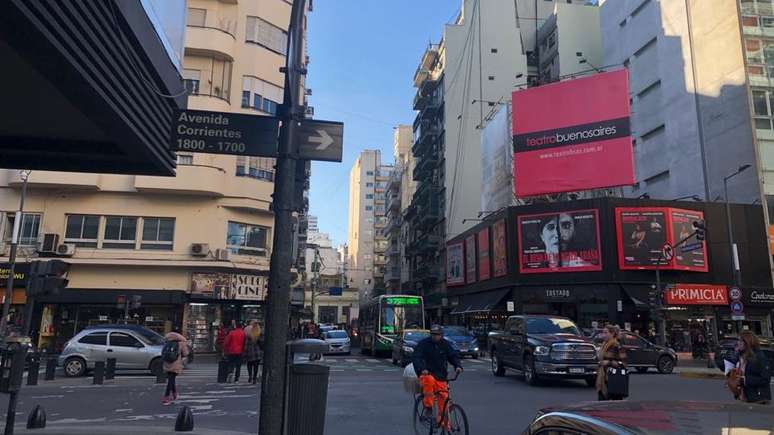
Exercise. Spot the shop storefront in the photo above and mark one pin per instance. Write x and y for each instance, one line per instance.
(19, 295)
(692, 313)
(57, 318)
(591, 306)
(217, 300)
(758, 313)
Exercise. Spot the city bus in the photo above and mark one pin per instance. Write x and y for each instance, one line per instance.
(385, 317)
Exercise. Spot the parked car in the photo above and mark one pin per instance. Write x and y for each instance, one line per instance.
(133, 349)
(543, 346)
(661, 417)
(338, 341)
(403, 346)
(726, 350)
(641, 354)
(465, 343)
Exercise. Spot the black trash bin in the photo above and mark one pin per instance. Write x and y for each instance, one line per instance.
(308, 396)
(307, 387)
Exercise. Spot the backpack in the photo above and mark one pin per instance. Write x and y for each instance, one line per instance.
(171, 352)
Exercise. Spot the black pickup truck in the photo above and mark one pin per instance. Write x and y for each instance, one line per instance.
(543, 347)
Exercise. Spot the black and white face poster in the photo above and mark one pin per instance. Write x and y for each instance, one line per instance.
(565, 241)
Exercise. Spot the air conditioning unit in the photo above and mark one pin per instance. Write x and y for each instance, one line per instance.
(222, 254)
(50, 243)
(65, 250)
(200, 249)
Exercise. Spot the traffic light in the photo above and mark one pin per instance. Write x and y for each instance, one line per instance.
(47, 277)
(701, 230)
(654, 297)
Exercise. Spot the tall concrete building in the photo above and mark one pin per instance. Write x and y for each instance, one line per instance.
(195, 247)
(490, 49)
(325, 270)
(400, 190)
(367, 242)
(689, 85)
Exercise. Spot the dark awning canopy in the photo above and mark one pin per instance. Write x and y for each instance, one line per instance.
(480, 302)
(638, 294)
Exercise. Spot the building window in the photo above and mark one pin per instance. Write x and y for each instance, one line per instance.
(30, 227)
(369, 208)
(191, 79)
(369, 196)
(260, 95)
(260, 168)
(197, 17)
(369, 173)
(82, 230)
(158, 233)
(267, 35)
(763, 108)
(246, 239)
(120, 232)
(369, 184)
(185, 159)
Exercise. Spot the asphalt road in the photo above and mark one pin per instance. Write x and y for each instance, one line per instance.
(366, 396)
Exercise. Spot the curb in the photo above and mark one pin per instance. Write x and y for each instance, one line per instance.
(702, 375)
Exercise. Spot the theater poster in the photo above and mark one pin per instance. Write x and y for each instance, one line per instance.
(483, 255)
(572, 135)
(500, 253)
(642, 233)
(470, 259)
(455, 264)
(691, 255)
(564, 241)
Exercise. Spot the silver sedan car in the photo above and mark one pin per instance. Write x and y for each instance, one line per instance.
(133, 347)
(338, 341)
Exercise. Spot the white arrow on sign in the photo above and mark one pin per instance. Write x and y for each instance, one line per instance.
(324, 140)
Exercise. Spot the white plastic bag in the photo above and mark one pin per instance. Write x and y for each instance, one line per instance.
(410, 381)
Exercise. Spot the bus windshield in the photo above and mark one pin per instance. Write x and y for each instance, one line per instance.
(396, 318)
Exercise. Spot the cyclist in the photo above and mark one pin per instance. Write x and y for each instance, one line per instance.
(430, 359)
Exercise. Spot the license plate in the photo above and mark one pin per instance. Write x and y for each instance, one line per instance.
(577, 370)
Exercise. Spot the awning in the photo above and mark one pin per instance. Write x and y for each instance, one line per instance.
(480, 302)
(639, 294)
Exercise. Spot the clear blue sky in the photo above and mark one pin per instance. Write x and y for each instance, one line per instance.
(363, 57)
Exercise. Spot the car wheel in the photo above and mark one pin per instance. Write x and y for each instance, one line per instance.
(475, 356)
(665, 365)
(156, 367)
(642, 369)
(394, 360)
(497, 366)
(74, 367)
(591, 381)
(530, 376)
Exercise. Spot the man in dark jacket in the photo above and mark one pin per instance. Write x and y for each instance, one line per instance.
(430, 360)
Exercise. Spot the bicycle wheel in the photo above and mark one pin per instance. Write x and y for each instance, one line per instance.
(458, 421)
(421, 427)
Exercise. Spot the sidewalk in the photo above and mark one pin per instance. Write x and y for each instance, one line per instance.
(688, 367)
(120, 430)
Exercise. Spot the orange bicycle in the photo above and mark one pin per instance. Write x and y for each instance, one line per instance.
(448, 418)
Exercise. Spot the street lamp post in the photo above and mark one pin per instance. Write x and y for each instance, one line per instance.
(17, 228)
(735, 271)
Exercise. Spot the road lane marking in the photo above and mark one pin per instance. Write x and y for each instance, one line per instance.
(352, 360)
(124, 410)
(371, 360)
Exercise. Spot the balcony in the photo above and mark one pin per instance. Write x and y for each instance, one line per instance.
(393, 202)
(425, 167)
(51, 179)
(424, 245)
(425, 67)
(392, 250)
(394, 225)
(190, 180)
(392, 273)
(217, 41)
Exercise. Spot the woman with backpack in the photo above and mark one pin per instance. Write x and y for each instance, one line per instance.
(175, 349)
(253, 350)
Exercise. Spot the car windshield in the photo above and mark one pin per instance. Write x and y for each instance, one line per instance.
(336, 334)
(547, 325)
(454, 331)
(149, 337)
(415, 336)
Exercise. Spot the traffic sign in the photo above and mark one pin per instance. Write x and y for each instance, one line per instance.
(735, 294)
(320, 140)
(692, 247)
(737, 310)
(201, 131)
(667, 252)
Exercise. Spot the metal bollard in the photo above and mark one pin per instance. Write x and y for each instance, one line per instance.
(223, 369)
(184, 421)
(99, 372)
(32, 372)
(50, 369)
(110, 369)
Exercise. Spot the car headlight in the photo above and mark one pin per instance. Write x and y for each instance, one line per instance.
(408, 349)
(542, 350)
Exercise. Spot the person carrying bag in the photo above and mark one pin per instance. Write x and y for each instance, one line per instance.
(612, 374)
(749, 378)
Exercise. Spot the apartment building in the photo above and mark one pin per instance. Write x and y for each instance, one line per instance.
(490, 49)
(400, 189)
(194, 247)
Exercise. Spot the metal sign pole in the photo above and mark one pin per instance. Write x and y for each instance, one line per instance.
(17, 228)
(272, 405)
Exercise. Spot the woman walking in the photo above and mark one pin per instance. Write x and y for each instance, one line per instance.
(754, 370)
(175, 349)
(253, 350)
(612, 354)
